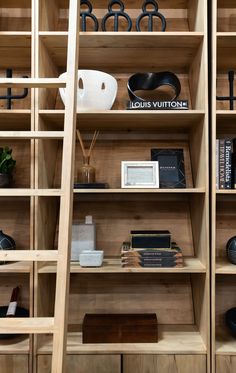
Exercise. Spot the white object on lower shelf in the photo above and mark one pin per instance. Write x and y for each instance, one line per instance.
(91, 258)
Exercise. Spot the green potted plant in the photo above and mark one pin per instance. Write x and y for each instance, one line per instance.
(7, 164)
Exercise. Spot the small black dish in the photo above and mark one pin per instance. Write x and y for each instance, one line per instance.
(20, 312)
(230, 318)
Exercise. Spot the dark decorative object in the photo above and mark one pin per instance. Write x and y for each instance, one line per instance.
(231, 98)
(171, 167)
(87, 14)
(150, 239)
(120, 328)
(151, 81)
(231, 250)
(9, 97)
(150, 14)
(7, 164)
(20, 312)
(91, 185)
(6, 243)
(116, 14)
(230, 319)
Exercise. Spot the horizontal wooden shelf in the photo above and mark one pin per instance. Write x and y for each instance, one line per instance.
(176, 121)
(123, 48)
(16, 267)
(17, 345)
(225, 343)
(192, 265)
(141, 190)
(226, 191)
(173, 339)
(224, 267)
(38, 325)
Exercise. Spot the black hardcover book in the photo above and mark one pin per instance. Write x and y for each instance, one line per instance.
(157, 105)
(228, 164)
(171, 167)
(150, 239)
(234, 165)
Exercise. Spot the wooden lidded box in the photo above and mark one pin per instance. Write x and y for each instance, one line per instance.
(120, 328)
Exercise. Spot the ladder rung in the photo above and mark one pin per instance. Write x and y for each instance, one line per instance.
(28, 255)
(18, 192)
(37, 325)
(32, 83)
(32, 134)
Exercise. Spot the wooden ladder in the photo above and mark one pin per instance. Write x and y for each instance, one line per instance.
(56, 325)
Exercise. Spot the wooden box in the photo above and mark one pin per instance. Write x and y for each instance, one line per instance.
(120, 328)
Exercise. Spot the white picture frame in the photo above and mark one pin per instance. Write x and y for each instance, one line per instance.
(141, 174)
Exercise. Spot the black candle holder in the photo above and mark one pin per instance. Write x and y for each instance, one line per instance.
(231, 98)
(84, 14)
(9, 97)
(150, 14)
(116, 14)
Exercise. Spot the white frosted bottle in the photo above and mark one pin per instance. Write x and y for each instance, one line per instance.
(83, 238)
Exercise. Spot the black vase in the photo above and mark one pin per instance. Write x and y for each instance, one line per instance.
(231, 250)
(5, 180)
(6, 243)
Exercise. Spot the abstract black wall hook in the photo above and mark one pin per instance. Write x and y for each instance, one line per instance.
(84, 14)
(9, 97)
(116, 14)
(231, 98)
(150, 14)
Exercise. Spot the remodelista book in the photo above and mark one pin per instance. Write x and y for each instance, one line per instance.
(158, 105)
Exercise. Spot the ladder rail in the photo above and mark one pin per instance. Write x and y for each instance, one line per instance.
(66, 207)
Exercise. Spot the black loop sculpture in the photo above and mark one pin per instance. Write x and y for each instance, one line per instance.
(231, 98)
(84, 14)
(9, 97)
(116, 14)
(150, 14)
(151, 81)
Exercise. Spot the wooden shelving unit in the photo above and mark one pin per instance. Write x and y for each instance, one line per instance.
(223, 201)
(37, 39)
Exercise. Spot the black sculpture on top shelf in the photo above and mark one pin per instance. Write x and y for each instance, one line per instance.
(9, 97)
(150, 14)
(84, 14)
(116, 14)
(231, 98)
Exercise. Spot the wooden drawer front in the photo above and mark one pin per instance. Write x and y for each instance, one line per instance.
(84, 363)
(14, 364)
(164, 364)
(225, 364)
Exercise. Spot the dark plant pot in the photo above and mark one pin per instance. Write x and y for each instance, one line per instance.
(230, 319)
(6, 243)
(231, 250)
(5, 180)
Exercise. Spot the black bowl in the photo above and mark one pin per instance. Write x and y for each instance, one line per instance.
(230, 318)
(20, 312)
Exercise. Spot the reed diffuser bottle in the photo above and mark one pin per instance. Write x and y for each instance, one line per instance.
(86, 173)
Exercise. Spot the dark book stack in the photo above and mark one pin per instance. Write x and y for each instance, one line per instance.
(158, 253)
(225, 163)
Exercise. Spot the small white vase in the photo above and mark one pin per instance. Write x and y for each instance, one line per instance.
(98, 93)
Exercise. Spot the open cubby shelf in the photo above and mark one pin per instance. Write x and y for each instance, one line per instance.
(33, 42)
(223, 201)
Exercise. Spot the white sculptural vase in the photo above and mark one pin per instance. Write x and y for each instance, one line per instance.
(96, 90)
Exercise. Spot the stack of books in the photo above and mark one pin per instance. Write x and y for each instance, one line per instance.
(225, 164)
(151, 256)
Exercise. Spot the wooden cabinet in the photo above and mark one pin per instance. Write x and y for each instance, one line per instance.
(83, 363)
(14, 364)
(164, 364)
(225, 364)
